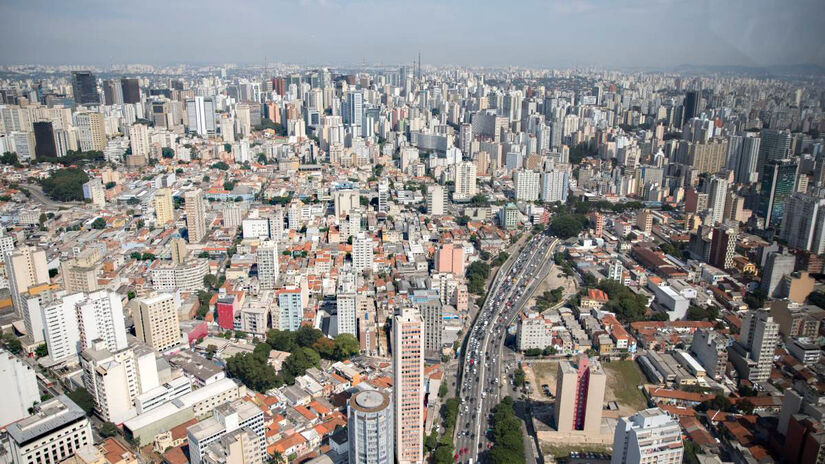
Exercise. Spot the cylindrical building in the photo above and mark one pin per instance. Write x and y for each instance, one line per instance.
(370, 428)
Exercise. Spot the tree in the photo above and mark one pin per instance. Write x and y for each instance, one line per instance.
(65, 184)
(346, 346)
(220, 165)
(167, 153)
(41, 351)
(519, 377)
(281, 340)
(227, 147)
(108, 429)
(82, 398)
(229, 185)
(99, 224)
(305, 336)
(210, 281)
(253, 370)
(568, 225)
(443, 390)
(9, 158)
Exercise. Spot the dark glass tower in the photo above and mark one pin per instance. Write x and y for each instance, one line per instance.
(84, 87)
(778, 181)
(44, 145)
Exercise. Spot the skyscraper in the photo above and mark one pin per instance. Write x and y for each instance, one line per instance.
(527, 185)
(44, 143)
(746, 168)
(346, 304)
(200, 113)
(579, 396)
(353, 112)
(370, 428)
(61, 330)
(778, 181)
(718, 194)
(775, 145)
(267, 254)
(383, 196)
(436, 198)
(803, 225)
(100, 317)
(25, 267)
(362, 253)
(195, 215)
(131, 90)
(84, 88)
(91, 133)
(691, 104)
(554, 186)
(156, 321)
(465, 181)
(164, 208)
(408, 385)
(650, 436)
(139, 140)
(723, 246)
(777, 266)
(753, 354)
(291, 309)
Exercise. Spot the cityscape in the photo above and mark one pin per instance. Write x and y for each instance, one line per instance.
(408, 253)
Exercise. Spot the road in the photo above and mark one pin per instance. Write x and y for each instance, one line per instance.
(482, 381)
(38, 195)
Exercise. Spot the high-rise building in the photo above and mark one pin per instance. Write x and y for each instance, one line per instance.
(465, 181)
(431, 308)
(164, 207)
(346, 304)
(139, 140)
(370, 428)
(691, 105)
(644, 221)
(650, 436)
(746, 169)
(711, 350)
(267, 257)
(53, 433)
(93, 191)
(408, 385)
(290, 308)
(346, 201)
(61, 330)
(803, 225)
(718, 195)
(112, 92)
(44, 141)
(775, 145)
(723, 246)
(18, 387)
(200, 112)
(130, 89)
(91, 132)
(115, 379)
(527, 185)
(195, 215)
(25, 267)
(753, 354)
(777, 266)
(226, 419)
(383, 196)
(436, 199)
(156, 321)
(100, 317)
(554, 186)
(179, 250)
(579, 396)
(84, 88)
(778, 181)
(352, 111)
(362, 253)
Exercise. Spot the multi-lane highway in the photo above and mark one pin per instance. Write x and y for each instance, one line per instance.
(483, 379)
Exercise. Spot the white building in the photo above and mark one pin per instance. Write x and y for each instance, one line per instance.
(225, 419)
(527, 185)
(100, 316)
(139, 140)
(56, 430)
(650, 436)
(533, 331)
(267, 255)
(436, 199)
(346, 304)
(200, 112)
(465, 181)
(60, 328)
(362, 253)
(18, 388)
(554, 186)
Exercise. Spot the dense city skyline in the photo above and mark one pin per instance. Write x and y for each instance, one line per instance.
(632, 33)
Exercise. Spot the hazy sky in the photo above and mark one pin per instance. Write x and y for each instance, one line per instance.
(537, 33)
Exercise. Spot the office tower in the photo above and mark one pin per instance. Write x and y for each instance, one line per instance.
(84, 88)
(775, 145)
(130, 89)
(370, 428)
(156, 321)
(79, 275)
(430, 306)
(195, 215)
(708, 157)
(691, 104)
(243, 120)
(352, 111)
(465, 181)
(436, 198)
(18, 387)
(164, 207)
(527, 185)
(554, 186)
(711, 350)
(579, 396)
(723, 246)
(746, 169)
(408, 385)
(777, 266)
(778, 181)
(112, 93)
(753, 354)
(362, 253)
(179, 250)
(465, 139)
(61, 331)
(23, 144)
(290, 308)
(53, 433)
(44, 143)
(200, 113)
(226, 419)
(803, 225)
(91, 133)
(100, 317)
(115, 379)
(383, 196)
(644, 221)
(346, 304)
(718, 194)
(650, 436)
(139, 140)
(267, 255)
(25, 267)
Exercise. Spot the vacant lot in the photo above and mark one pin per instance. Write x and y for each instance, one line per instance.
(623, 381)
(559, 450)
